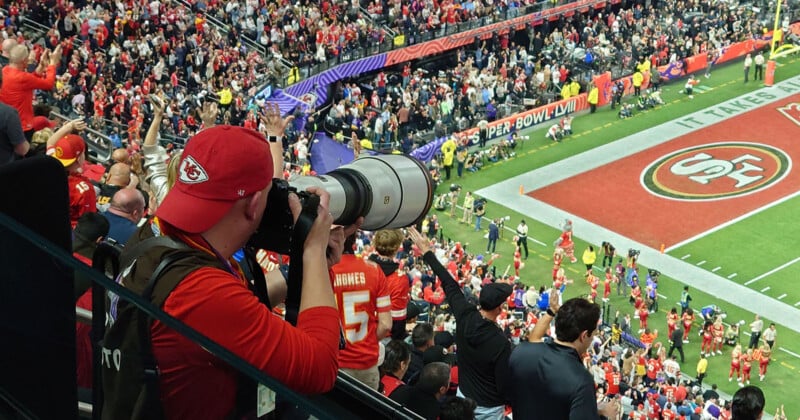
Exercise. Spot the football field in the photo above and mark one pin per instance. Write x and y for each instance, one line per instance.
(706, 188)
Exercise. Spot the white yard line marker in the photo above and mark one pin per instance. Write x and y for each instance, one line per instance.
(782, 296)
(686, 256)
(797, 304)
(790, 352)
(765, 289)
(732, 276)
(661, 296)
(715, 269)
(755, 279)
(701, 263)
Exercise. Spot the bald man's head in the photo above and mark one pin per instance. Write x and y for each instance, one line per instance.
(128, 203)
(119, 174)
(121, 155)
(9, 45)
(18, 55)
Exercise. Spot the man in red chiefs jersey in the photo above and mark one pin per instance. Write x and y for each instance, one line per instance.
(69, 149)
(362, 295)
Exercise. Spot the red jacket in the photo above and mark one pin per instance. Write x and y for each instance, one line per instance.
(18, 87)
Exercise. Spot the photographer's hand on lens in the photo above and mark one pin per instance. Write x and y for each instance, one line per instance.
(319, 235)
(337, 238)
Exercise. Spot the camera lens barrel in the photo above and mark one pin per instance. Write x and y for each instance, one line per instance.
(390, 191)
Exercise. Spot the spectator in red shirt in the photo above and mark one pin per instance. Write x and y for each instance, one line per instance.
(362, 296)
(18, 84)
(387, 243)
(216, 204)
(395, 364)
(69, 149)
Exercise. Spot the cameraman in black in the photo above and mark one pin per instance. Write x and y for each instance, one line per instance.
(608, 254)
(215, 206)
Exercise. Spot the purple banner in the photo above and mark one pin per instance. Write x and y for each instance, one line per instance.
(317, 85)
(428, 151)
(327, 154)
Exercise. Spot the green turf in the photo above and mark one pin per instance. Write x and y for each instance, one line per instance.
(754, 251)
(749, 247)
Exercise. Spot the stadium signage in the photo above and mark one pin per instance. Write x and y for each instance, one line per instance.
(516, 123)
(716, 171)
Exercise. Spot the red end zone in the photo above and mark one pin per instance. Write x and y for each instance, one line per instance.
(689, 185)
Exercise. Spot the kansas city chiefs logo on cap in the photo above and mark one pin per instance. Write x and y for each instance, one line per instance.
(191, 172)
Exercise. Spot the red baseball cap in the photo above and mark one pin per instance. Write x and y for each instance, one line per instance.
(40, 123)
(67, 149)
(219, 166)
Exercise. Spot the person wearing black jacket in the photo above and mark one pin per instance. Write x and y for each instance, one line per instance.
(676, 343)
(483, 349)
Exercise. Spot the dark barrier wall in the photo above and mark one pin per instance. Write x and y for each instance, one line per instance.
(37, 310)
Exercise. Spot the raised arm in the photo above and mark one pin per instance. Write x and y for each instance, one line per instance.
(543, 324)
(455, 297)
(158, 113)
(74, 125)
(275, 127)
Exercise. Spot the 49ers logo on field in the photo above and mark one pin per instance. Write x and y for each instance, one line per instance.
(716, 171)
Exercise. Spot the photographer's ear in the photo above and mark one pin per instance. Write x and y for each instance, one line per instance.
(255, 206)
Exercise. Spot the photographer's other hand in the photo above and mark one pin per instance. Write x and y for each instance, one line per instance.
(337, 238)
(419, 240)
(316, 289)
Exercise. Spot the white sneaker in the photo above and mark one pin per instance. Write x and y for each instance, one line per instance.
(730, 379)
(748, 382)
(741, 385)
(719, 352)
(761, 378)
(691, 96)
(685, 341)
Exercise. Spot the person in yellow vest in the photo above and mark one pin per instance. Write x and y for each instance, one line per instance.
(593, 98)
(644, 66)
(225, 97)
(574, 88)
(294, 76)
(448, 154)
(637, 80)
(565, 91)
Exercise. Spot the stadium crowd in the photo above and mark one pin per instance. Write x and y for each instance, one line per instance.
(495, 76)
(162, 67)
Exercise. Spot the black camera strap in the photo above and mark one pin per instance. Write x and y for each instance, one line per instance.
(299, 234)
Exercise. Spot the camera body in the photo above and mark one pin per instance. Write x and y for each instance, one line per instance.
(455, 187)
(277, 225)
(633, 253)
(389, 191)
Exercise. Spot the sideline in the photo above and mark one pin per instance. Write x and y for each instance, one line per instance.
(507, 193)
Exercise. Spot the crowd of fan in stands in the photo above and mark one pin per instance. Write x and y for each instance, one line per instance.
(116, 55)
(498, 72)
(648, 380)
